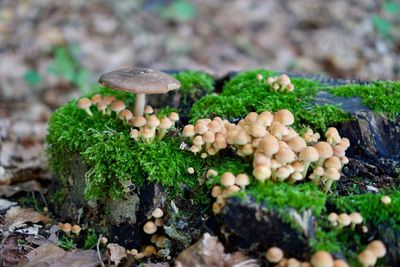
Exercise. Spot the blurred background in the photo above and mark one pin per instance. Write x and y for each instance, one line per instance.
(53, 50)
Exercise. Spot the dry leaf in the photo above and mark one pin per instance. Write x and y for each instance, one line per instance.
(117, 253)
(17, 216)
(11, 252)
(5, 204)
(51, 255)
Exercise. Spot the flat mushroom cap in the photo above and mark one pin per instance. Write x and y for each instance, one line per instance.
(140, 81)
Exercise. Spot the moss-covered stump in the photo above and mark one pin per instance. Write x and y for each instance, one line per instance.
(112, 183)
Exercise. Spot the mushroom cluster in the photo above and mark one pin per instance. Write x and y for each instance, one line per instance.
(230, 184)
(375, 250)
(146, 127)
(278, 152)
(319, 259)
(68, 228)
(279, 83)
(208, 137)
(343, 219)
(158, 241)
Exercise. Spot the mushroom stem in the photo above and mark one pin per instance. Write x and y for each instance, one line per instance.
(140, 102)
(328, 185)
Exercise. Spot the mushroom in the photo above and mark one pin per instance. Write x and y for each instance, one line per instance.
(331, 175)
(355, 218)
(163, 127)
(125, 115)
(367, 258)
(97, 98)
(343, 220)
(216, 191)
(140, 81)
(332, 218)
(242, 180)
(308, 155)
(117, 106)
(66, 228)
(150, 228)
(322, 259)
(274, 255)
(386, 200)
(340, 263)
(85, 103)
(157, 213)
(76, 229)
(227, 179)
(378, 248)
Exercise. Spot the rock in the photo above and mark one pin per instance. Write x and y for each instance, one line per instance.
(373, 137)
(389, 234)
(249, 225)
(209, 252)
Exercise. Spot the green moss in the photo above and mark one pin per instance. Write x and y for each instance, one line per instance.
(194, 85)
(326, 240)
(247, 81)
(90, 240)
(244, 94)
(282, 196)
(193, 81)
(380, 96)
(371, 207)
(113, 157)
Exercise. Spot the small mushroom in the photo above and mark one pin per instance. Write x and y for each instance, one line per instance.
(85, 103)
(150, 228)
(367, 258)
(386, 200)
(140, 81)
(322, 259)
(76, 229)
(378, 248)
(274, 255)
(355, 218)
(157, 213)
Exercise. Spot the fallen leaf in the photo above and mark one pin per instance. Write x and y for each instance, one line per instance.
(117, 253)
(11, 253)
(5, 204)
(51, 255)
(17, 217)
(36, 240)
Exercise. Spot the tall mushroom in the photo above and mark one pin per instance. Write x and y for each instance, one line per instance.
(140, 81)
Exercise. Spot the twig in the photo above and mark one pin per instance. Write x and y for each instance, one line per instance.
(98, 250)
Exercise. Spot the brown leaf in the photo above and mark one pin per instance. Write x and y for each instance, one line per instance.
(51, 255)
(11, 252)
(17, 216)
(117, 253)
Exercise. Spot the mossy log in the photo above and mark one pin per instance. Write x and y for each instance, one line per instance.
(155, 175)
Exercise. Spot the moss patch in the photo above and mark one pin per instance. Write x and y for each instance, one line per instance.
(194, 85)
(371, 207)
(194, 81)
(244, 94)
(284, 196)
(380, 96)
(113, 157)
